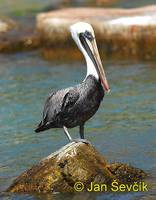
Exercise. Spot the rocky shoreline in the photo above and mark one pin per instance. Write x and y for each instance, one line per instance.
(121, 33)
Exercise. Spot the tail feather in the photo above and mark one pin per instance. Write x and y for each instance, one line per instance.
(42, 127)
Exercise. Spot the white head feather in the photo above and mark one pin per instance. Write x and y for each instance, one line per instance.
(76, 29)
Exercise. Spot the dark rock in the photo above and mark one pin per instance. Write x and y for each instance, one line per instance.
(74, 162)
(126, 173)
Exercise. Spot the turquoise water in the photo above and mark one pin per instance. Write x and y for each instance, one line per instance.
(124, 128)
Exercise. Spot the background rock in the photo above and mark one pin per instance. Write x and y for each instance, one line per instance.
(6, 25)
(18, 36)
(121, 33)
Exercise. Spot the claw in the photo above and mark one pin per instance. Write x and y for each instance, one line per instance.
(81, 140)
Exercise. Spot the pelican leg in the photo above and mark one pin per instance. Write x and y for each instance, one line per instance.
(67, 133)
(81, 128)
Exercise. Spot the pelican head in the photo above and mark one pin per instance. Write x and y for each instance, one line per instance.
(83, 35)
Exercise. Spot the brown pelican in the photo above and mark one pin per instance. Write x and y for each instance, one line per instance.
(73, 106)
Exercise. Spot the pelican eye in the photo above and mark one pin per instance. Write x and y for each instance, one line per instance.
(88, 35)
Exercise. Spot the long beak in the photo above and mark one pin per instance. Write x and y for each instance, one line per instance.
(102, 75)
(92, 51)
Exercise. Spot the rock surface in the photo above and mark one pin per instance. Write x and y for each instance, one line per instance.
(74, 162)
(6, 25)
(18, 36)
(121, 33)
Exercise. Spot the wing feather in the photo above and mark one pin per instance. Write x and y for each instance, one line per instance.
(58, 103)
(69, 99)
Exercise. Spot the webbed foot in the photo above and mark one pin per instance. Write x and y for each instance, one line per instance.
(80, 140)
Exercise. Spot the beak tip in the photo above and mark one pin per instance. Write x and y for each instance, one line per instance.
(108, 91)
